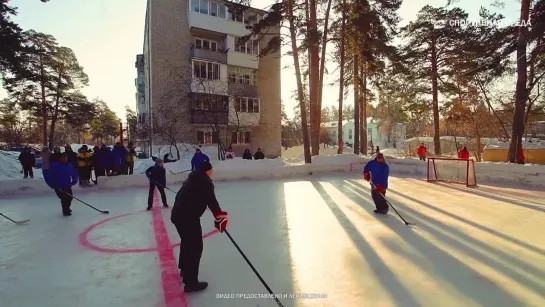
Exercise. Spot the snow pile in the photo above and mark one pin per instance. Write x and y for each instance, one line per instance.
(10, 167)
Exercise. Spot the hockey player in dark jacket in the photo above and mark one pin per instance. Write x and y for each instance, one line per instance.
(157, 178)
(195, 195)
(27, 160)
(61, 176)
(376, 172)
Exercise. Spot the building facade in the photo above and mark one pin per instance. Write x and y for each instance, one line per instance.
(375, 135)
(201, 74)
(139, 82)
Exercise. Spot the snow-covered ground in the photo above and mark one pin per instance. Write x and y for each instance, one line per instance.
(316, 235)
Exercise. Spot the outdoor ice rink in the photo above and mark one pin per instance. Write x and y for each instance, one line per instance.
(311, 236)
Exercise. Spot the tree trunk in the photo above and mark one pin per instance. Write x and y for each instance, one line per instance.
(313, 78)
(300, 94)
(356, 75)
(531, 80)
(44, 106)
(341, 82)
(364, 112)
(435, 98)
(322, 60)
(521, 94)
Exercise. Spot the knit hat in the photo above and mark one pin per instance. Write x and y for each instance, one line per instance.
(158, 161)
(205, 166)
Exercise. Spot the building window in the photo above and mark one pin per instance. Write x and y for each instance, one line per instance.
(349, 134)
(206, 44)
(240, 137)
(237, 16)
(209, 8)
(249, 47)
(204, 137)
(242, 75)
(246, 105)
(206, 70)
(204, 7)
(217, 9)
(201, 101)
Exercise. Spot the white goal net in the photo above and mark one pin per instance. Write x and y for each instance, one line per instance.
(452, 170)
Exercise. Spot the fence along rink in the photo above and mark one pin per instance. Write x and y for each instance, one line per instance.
(452, 171)
(271, 296)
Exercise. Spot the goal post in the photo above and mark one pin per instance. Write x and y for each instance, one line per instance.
(452, 170)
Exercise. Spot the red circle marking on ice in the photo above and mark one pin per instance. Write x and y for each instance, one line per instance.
(84, 239)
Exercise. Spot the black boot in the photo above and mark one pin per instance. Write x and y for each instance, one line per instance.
(381, 211)
(165, 205)
(149, 207)
(196, 287)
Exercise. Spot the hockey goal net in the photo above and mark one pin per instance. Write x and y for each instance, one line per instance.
(452, 170)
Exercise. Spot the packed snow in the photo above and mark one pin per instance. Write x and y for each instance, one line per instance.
(315, 238)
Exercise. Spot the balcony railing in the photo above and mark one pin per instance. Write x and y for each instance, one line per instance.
(205, 54)
(212, 117)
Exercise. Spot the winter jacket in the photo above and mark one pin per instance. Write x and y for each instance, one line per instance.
(54, 157)
(72, 158)
(84, 158)
(247, 156)
(61, 175)
(197, 160)
(259, 155)
(131, 155)
(195, 195)
(463, 154)
(27, 159)
(102, 159)
(422, 151)
(157, 175)
(379, 172)
(46, 154)
(119, 155)
(229, 155)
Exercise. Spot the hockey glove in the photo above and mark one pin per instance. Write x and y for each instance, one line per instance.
(367, 176)
(221, 219)
(379, 188)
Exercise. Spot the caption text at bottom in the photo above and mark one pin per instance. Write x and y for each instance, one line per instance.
(295, 296)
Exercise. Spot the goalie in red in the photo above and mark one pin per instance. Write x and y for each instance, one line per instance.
(377, 172)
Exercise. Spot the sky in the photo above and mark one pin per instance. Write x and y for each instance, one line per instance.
(106, 36)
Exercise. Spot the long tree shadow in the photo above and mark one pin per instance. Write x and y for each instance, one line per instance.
(447, 267)
(469, 222)
(487, 195)
(456, 239)
(389, 281)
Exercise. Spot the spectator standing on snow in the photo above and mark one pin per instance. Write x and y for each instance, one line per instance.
(61, 177)
(55, 156)
(463, 154)
(28, 160)
(45, 155)
(84, 166)
(119, 157)
(131, 157)
(72, 156)
(376, 172)
(229, 154)
(521, 157)
(422, 151)
(157, 176)
(197, 159)
(247, 155)
(195, 195)
(259, 155)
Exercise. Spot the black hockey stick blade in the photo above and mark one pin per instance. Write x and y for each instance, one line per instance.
(81, 201)
(253, 268)
(16, 222)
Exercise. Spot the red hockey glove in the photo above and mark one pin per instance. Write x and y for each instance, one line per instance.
(367, 176)
(379, 188)
(221, 219)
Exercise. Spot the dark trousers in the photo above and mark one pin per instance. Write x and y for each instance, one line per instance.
(84, 173)
(100, 171)
(27, 170)
(152, 190)
(130, 166)
(65, 195)
(423, 158)
(190, 249)
(380, 201)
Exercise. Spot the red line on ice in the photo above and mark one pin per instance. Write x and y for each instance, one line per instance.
(172, 284)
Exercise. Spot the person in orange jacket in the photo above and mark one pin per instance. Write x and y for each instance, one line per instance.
(422, 151)
(463, 154)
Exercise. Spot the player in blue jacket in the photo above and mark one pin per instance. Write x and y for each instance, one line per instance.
(197, 159)
(377, 172)
(157, 178)
(61, 176)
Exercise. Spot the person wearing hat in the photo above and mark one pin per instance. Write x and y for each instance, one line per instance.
(197, 159)
(195, 195)
(61, 177)
(157, 178)
(28, 160)
(376, 172)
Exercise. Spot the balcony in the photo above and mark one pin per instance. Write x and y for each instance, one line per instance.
(209, 117)
(205, 54)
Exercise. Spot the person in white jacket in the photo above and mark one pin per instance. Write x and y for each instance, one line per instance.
(229, 154)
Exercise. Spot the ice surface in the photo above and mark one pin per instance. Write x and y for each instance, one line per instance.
(471, 247)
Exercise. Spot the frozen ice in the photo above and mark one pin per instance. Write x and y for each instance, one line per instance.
(315, 235)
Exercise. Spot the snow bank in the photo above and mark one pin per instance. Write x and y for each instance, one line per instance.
(239, 169)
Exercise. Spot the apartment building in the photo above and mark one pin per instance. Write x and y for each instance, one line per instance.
(196, 65)
(139, 82)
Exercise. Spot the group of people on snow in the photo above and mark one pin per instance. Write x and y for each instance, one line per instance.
(247, 155)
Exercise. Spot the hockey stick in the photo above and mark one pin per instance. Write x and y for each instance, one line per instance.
(162, 186)
(16, 222)
(253, 268)
(81, 201)
(390, 204)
